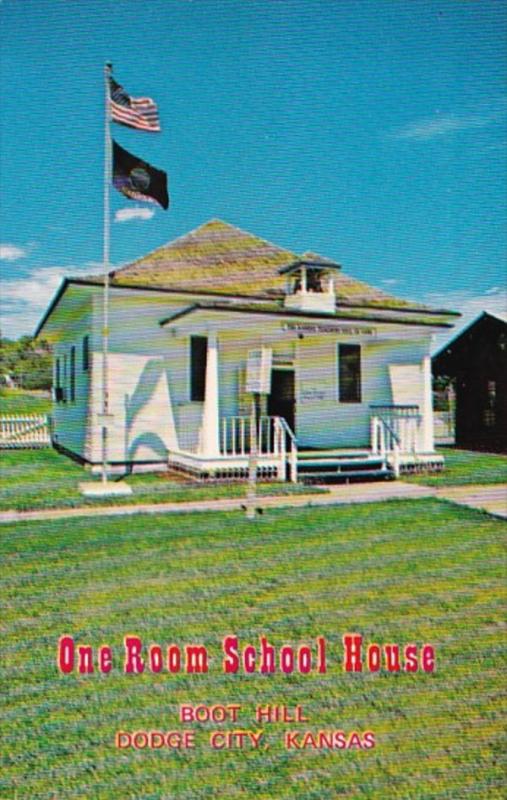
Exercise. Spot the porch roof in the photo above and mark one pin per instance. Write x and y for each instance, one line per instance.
(273, 309)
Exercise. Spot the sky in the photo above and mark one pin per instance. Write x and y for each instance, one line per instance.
(374, 133)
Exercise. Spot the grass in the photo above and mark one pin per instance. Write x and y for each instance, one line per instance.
(36, 479)
(403, 571)
(465, 467)
(19, 401)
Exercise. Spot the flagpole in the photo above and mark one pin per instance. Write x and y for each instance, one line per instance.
(107, 239)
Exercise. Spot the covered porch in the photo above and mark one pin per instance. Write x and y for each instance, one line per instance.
(396, 447)
(391, 439)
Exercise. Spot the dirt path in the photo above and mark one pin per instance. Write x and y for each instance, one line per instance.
(492, 499)
(337, 495)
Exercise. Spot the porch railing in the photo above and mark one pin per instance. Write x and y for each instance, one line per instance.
(30, 430)
(395, 430)
(274, 439)
(236, 436)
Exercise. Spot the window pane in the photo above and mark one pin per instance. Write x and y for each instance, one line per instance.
(198, 356)
(349, 360)
(58, 383)
(86, 353)
(65, 377)
(72, 374)
(489, 410)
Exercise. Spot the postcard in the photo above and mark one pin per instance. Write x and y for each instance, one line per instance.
(253, 401)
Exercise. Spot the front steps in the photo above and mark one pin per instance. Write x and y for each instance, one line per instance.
(327, 466)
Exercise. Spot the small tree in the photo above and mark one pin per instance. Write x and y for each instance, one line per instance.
(27, 362)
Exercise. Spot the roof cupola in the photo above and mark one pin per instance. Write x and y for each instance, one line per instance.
(311, 284)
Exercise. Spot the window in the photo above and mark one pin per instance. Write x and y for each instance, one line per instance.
(314, 280)
(64, 379)
(58, 393)
(72, 387)
(489, 410)
(198, 356)
(86, 353)
(349, 373)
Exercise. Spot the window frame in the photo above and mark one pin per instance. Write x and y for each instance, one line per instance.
(85, 354)
(65, 377)
(57, 386)
(72, 374)
(350, 387)
(197, 385)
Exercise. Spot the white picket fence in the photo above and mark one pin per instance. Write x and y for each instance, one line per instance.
(29, 430)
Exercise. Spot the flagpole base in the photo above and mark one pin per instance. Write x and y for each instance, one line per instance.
(105, 489)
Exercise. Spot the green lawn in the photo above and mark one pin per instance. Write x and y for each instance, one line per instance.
(411, 571)
(465, 467)
(35, 479)
(32, 479)
(18, 401)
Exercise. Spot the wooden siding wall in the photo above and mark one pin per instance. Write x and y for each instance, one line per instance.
(71, 427)
(321, 420)
(150, 380)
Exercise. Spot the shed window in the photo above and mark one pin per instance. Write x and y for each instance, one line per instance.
(86, 353)
(349, 373)
(489, 410)
(72, 387)
(198, 357)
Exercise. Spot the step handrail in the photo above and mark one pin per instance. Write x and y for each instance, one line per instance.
(390, 429)
(293, 455)
(383, 426)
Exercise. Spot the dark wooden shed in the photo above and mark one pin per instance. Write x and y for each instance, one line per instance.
(476, 360)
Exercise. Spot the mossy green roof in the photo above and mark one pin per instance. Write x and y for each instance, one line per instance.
(215, 257)
(218, 257)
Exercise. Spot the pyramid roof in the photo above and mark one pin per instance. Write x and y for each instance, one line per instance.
(220, 258)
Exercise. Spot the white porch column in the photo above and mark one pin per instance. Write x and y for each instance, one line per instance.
(427, 409)
(304, 281)
(209, 439)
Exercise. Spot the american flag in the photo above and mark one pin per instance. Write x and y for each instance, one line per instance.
(135, 112)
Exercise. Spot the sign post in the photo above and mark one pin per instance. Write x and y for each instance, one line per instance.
(252, 461)
(258, 381)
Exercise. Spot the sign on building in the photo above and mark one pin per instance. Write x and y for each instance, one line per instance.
(258, 370)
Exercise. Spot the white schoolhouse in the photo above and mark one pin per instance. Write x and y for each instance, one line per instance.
(345, 368)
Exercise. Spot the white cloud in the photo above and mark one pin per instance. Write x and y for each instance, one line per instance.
(442, 124)
(470, 306)
(430, 127)
(128, 214)
(10, 252)
(25, 299)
